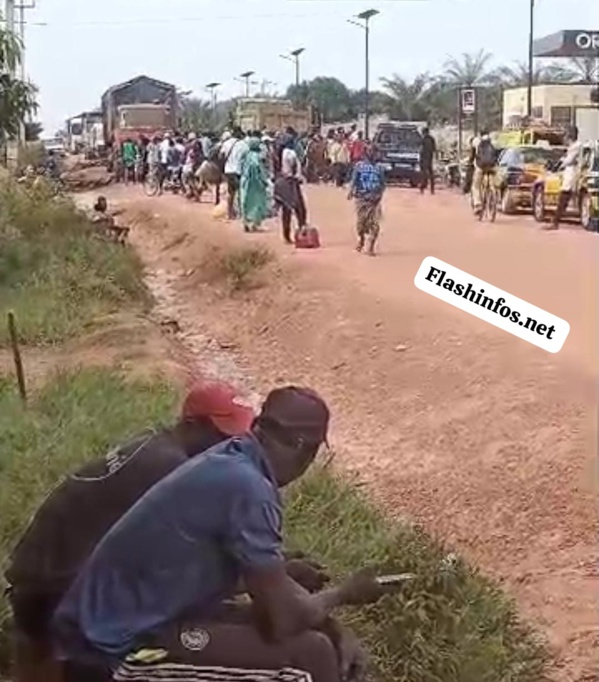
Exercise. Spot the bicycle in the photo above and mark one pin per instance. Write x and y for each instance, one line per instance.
(152, 181)
(488, 194)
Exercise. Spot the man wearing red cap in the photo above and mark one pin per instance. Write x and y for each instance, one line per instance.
(151, 602)
(78, 513)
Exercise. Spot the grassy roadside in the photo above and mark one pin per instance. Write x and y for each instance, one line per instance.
(452, 625)
(55, 273)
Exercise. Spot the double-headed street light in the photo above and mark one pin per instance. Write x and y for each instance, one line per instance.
(294, 56)
(366, 16)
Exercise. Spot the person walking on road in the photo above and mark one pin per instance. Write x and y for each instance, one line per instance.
(428, 153)
(569, 164)
(129, 158)
(232, 153)
(340, 158)
(367, 188)
(253, 191)
(288, 191)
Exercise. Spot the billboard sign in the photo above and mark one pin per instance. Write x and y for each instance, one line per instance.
(568, 44)
(468, 101)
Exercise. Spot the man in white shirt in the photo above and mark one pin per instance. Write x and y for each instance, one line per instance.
(164, 153)
(288, 191)
(233, 151)
(570, 176)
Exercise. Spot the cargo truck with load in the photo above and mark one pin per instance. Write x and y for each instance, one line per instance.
(140, 107)
(268, 113)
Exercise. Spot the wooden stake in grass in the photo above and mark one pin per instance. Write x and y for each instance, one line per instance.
(14, 340)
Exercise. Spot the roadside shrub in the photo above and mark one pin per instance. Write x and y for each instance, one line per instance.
(450, 625)
(55, 272)
(240, 267)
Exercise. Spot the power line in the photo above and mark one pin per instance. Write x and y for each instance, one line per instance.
(182, 20)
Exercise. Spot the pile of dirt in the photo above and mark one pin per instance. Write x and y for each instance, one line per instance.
(87, 179)
(82, 164)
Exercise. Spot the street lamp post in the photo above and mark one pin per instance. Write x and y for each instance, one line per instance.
(246, 75)
(366, 16)
(294, 56)
(531, 33)
(212, 88)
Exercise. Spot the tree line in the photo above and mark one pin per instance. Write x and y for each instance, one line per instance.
(431, 97)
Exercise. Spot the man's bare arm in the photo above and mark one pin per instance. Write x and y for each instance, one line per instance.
(284, 607)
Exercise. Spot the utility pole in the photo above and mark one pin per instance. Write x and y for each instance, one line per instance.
(9, 15)
(212, 88)
(531, 35)
(366, 16)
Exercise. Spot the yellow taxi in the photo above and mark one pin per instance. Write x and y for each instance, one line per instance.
(518, 169)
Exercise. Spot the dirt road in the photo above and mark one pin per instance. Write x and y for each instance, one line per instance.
(488, 441)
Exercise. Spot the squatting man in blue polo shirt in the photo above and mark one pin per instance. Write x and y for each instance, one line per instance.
(153, 600)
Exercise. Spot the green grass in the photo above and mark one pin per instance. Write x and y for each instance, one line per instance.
(74, 417)
(55, 273)
(451, 626)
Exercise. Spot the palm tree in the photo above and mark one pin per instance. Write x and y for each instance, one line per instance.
(195, 114)
(582, 70)
(517, 75)
(17, 98)
(408, 99)
(469, 70)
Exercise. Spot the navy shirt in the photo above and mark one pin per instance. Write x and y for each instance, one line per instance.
(183, 546)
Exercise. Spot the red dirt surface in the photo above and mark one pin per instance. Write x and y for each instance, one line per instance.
(485, 439)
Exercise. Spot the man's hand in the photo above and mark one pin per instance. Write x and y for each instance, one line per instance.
(362, 588)
(309, 574)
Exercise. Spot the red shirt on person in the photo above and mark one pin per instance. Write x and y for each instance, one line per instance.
(357, 149)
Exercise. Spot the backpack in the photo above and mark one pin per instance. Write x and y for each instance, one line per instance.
(485, 155)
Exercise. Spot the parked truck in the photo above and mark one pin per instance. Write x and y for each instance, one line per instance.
(142, 106)
(260, 113)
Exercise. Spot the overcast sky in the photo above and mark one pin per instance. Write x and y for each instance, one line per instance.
(84, 46)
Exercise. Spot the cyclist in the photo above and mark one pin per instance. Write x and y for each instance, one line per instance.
(483, 157)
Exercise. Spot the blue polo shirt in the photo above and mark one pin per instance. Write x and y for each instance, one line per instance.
(182, 547)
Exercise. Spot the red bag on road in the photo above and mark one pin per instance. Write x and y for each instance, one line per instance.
(307, 238)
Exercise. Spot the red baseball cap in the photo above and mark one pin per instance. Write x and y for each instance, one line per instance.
(221, 404)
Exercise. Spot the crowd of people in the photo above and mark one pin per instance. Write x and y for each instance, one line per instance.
(165, 559)
(263, 171)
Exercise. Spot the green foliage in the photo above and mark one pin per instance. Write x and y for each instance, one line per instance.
(75, 417)
(55, 272)
(450, 625)
(433, 97)
(17, 97)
